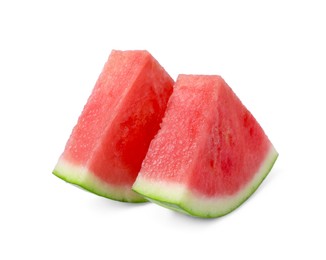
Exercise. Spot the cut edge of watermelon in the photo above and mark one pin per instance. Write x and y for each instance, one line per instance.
(82, 177)
(177, 197)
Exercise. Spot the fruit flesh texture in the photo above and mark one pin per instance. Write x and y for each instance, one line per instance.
(236, 146)
(119, 120)
(209, 144)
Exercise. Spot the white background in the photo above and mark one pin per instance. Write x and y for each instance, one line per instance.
(273, 55)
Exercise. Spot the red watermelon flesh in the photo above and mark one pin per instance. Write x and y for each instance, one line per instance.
(123, 113)
(210, 154)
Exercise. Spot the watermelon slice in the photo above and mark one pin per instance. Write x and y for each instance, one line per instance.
(210, 154)
(107, 146)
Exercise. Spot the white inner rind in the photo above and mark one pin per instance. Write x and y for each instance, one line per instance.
(84, 178)
(179, 197)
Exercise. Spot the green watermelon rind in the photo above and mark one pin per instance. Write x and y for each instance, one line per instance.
(179, 198)
(82, 177)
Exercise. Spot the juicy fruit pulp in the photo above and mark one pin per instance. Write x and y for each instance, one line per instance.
(210, 154)
(123, 113)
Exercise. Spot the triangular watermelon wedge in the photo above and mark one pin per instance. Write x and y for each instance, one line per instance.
(210, 154)
(123, 113)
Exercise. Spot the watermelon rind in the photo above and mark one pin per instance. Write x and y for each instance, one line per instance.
(179, 198)
(85, 179)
